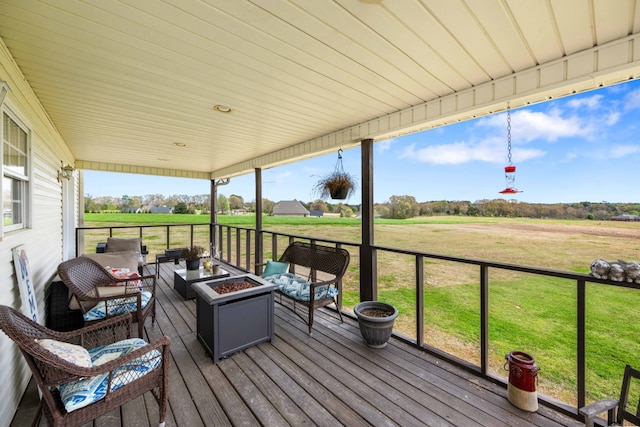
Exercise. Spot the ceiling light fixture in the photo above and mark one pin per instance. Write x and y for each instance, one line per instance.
(179, 144)
(222, 108)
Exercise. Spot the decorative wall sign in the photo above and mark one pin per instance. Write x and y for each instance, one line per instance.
(25, 284)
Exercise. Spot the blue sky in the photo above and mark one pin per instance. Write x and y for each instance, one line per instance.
(579, 148)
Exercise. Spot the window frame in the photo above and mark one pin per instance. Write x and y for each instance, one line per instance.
(25, 181)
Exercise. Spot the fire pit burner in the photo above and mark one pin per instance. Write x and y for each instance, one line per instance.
(225, 288)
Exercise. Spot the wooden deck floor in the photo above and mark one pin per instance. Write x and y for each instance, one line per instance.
(329, 379)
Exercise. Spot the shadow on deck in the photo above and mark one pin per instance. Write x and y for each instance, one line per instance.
(329, 379)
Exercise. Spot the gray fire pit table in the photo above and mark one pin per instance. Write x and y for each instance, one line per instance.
(184, 279)
(231, 322)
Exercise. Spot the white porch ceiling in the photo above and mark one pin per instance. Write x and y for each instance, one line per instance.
(124, 80)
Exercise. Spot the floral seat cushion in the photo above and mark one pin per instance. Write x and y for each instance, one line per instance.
(116, 306)
(298, 288)
(85, 391)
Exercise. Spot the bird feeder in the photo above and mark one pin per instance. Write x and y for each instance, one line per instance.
(510, 169)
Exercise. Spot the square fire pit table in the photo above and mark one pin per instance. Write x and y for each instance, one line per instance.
(183, 280)
(233, 321)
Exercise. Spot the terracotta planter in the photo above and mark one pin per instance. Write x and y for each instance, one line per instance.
(375, 330)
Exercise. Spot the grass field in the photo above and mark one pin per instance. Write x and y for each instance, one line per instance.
(531, 313)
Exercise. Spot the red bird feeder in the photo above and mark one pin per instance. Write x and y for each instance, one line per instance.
(510, 178)
(510, 170)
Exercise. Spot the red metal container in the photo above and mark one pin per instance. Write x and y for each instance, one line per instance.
(523, 375)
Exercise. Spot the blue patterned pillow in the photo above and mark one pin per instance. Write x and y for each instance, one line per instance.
(116, 306)
(85, 391)
(298, 288)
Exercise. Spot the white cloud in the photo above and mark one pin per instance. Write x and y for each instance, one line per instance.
(493, 150)
(622, 150)
(527, 126)
(383, 146)
(591, 102)
(632, 100)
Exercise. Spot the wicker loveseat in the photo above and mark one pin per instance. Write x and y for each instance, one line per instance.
(310, 275)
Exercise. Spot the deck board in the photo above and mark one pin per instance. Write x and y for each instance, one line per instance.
(329, 379)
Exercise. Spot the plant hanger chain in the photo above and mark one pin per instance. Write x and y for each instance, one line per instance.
(339, 167)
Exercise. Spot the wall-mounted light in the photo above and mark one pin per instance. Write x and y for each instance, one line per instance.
(4, 90)
(65, 172)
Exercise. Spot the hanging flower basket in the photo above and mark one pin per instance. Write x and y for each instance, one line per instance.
(338, 185)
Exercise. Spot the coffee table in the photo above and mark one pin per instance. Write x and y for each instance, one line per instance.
(182, 280)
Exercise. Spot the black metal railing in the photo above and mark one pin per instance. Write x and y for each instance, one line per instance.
(237, 246)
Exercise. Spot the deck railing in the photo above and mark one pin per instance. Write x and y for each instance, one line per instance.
(237, 246)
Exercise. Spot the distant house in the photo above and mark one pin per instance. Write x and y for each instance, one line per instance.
(625, 217)
(131, 209)
(317, 213)
(289, 208)
(161, 210)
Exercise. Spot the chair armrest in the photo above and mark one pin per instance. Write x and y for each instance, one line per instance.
(592, 410)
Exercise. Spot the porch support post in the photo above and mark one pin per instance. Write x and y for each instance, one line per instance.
(368, 276)
(259, 234)
(214, 213)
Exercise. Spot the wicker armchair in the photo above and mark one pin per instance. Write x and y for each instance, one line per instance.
(313, 279)
(54, 371)
(99, 299)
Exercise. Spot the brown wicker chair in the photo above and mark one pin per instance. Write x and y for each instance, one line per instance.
(50, 371)
(322, 267)
(91, 284)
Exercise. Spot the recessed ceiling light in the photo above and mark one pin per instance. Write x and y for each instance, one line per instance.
(222, 108)
(162, 160)
(179, 144)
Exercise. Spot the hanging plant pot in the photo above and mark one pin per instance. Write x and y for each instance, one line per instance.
(339, 193)
(337, 185)
(376, 320)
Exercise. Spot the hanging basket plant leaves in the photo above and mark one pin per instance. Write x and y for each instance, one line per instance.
(337, 185)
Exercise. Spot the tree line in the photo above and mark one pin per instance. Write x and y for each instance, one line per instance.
(396, 207)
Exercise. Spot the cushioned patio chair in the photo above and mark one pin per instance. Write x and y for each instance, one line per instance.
(310, 275)
(120, 245)
(88, 372)
(101, 296)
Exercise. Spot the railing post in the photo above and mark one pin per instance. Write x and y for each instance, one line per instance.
(247, 248)
(581, 301)
(484, 319)
(419, 300)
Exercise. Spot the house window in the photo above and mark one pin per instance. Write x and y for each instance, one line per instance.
(15, 174)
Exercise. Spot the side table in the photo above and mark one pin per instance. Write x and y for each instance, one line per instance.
(182, 280)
